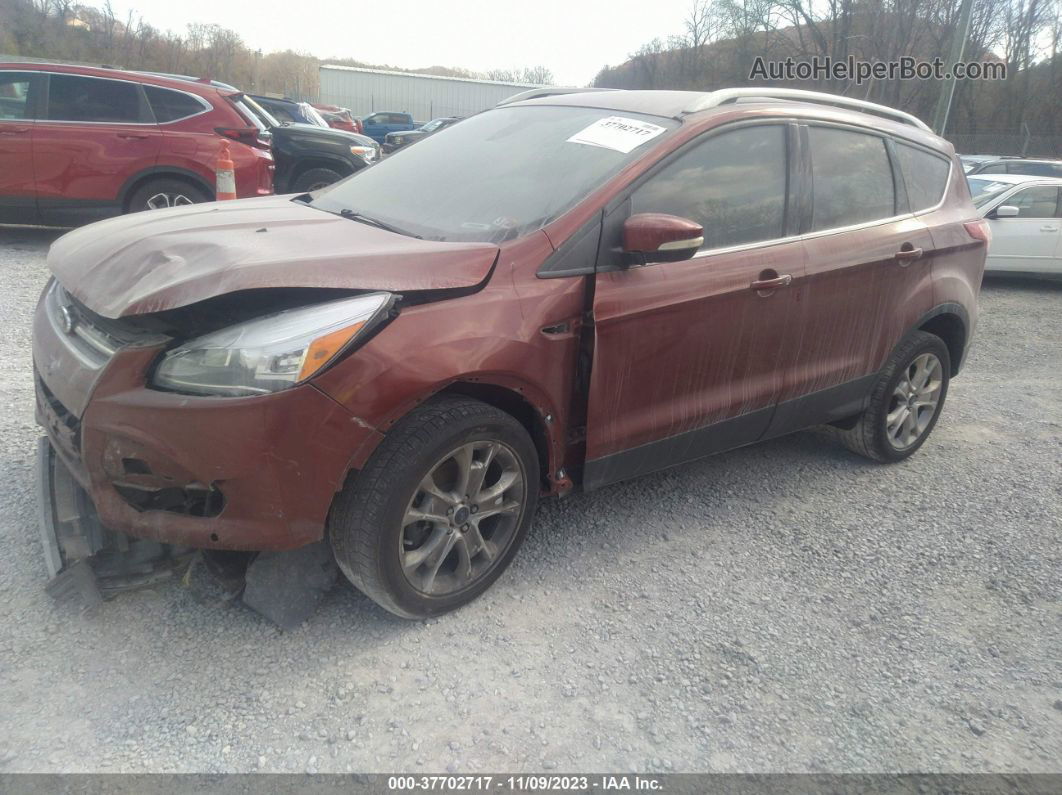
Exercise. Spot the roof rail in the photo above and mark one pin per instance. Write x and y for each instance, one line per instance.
(547, 91)
(727, 95)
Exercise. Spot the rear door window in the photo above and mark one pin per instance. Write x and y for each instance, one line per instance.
(168, 105)
(733, 184)
(14, 96)
(852, 178)
(924, 174)
(93, 99)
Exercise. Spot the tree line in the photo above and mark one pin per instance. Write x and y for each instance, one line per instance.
(62, 30)
(721, 41)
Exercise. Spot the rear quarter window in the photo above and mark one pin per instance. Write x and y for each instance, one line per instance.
(924, 174)
(170, 105)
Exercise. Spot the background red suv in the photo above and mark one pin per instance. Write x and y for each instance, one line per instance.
(80, 143)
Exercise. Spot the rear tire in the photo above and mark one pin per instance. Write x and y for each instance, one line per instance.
(440, 509)
(905, 403)
(158, 194)
(314, 179)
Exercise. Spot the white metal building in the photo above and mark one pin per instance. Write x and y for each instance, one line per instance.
(366, 91)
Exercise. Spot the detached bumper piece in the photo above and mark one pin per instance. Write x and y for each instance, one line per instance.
(86, 562)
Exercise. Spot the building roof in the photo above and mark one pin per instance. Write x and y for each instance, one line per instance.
(426, 77)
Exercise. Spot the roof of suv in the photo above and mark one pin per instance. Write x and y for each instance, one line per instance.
(190, 84)
(682, 104)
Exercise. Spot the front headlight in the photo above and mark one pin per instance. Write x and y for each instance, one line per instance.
(366, 152)
(270, 353)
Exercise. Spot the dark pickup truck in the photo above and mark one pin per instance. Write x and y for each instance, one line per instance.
(309, 157)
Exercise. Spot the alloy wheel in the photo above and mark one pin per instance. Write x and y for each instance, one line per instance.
(462, 518)
(161, 201)
(915, 401)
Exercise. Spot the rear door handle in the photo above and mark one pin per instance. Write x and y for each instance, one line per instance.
(133, 136)
(13, 130)
(905, 255)
(772, 284)
(1048, 228)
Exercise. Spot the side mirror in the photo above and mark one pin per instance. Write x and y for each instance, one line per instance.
(656, 237)
(1006, 211)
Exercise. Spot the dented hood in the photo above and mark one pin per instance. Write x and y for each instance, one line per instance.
(165, 259)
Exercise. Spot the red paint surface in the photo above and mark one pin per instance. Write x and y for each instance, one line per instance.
(145, 263)
(77, 161)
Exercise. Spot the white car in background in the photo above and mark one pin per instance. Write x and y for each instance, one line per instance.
(1025, 214)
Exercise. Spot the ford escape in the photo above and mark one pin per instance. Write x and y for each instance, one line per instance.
(554, 295)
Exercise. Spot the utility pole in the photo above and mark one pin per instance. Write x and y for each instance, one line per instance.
(958, 47)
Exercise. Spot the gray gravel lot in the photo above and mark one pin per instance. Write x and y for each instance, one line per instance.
(785, 607)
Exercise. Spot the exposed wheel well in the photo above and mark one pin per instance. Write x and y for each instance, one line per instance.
(950, 328)
(139, 182)
(514, 404)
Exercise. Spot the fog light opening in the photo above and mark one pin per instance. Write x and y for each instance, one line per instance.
(191, 500)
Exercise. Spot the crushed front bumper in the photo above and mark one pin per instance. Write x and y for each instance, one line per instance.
(86, 562)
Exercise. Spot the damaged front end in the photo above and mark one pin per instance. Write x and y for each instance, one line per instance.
(86, 562)
(137, 486)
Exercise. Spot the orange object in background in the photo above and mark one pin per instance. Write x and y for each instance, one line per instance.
(226, 175)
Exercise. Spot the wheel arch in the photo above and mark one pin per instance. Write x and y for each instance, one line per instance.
(950, 322)
(162, 172)
(514, 402)
(521, 401)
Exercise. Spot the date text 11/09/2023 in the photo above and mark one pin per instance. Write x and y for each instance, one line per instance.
(525, 783)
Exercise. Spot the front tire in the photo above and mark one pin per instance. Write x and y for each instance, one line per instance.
(906, 401)
(440, 509)
(314, 179)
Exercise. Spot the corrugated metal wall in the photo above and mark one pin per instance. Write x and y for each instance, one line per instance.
(366, 91)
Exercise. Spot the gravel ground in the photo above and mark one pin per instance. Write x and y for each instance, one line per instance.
(785, 607)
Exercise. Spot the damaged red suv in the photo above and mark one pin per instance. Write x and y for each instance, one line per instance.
(556, 294)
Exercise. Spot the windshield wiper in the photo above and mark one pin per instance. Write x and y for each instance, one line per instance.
(346, 212)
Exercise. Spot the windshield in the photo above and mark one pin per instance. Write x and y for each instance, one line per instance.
(498, 175)
(984, 190)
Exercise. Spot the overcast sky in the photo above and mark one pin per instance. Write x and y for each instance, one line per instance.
(573, 38)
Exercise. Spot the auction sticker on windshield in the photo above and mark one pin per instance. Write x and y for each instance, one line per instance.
(617, 132)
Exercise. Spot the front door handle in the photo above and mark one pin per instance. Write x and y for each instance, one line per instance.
(1048, 228)
(14, 130)
(772, 284)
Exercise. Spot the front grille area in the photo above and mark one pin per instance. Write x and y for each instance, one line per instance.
(93, 338)
(63, 427)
